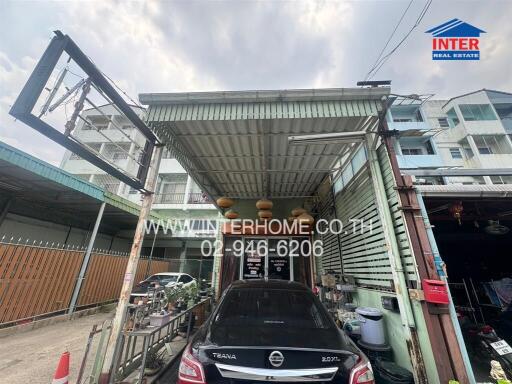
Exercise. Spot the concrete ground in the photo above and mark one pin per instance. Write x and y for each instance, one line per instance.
(32, 356)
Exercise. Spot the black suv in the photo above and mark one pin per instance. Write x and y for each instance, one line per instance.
(272, 331)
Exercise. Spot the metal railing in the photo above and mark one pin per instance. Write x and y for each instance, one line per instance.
(179, 198)
(134, 346)
(170, 198)
(199, 198)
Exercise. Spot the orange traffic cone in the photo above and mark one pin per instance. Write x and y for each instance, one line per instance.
(62, 373)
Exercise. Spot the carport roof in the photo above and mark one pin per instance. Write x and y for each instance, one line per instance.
(236, 143)
(46, 192)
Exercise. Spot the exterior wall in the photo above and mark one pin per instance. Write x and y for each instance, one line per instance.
(32, 230)
(366, 257)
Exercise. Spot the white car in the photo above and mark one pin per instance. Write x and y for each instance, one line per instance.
(163, 279)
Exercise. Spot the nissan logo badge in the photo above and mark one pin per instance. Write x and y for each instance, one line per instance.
(276, 358)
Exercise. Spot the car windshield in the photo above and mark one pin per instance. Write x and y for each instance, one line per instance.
(164, 280)
(271, 307)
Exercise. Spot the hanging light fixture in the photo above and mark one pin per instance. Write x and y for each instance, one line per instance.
(456, 211)
(231, 214)
(306, 218)
(265, 214)
(298, 211)
(225, 202)
(264, 204)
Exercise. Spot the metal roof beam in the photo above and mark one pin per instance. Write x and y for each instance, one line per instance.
(259, 156)
(252, 171)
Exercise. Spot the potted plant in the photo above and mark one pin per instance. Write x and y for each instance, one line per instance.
(194, 292)
(173, 298)
(154, 362)
(185, 298)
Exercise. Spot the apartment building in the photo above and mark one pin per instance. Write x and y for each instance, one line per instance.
(468, 131)
(177, 197)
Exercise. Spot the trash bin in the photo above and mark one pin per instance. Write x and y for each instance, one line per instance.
(387, 372)
(372, 326)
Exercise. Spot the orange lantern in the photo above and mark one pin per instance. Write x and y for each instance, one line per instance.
(298, 211)
(306, 218)
(456, 211)
(231, 215)
(264, 204)
(225, 202)
(265, 214)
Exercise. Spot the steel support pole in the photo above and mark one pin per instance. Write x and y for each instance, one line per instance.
(131, 269)
(85, 262)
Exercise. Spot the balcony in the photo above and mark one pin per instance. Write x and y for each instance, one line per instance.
(408, 125)
(199, 198)
(179, 198)
(419, 161)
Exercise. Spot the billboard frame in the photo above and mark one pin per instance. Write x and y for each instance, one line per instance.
(35, 85)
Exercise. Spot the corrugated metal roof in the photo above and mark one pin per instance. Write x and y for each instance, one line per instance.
(48, 171)
(466, 190)
(41, 168)
(263, 110)
(236, 143)
(127, 205)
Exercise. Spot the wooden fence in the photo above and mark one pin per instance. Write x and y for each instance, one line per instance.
(39, 280)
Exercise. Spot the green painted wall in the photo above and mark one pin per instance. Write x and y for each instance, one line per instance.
(393, 324)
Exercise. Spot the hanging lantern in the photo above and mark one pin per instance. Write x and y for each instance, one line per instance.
(306, 218)
(456, 211)
(225, 202)
(264, 204)
(231, 214)
(265, 214)
(298, 211)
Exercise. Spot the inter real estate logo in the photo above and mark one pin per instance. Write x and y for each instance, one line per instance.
(455, 40)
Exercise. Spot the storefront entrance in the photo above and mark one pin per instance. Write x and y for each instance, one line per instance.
(271, 257)
(262, 259)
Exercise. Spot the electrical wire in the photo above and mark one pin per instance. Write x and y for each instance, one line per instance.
(387, 56)
(389, 40)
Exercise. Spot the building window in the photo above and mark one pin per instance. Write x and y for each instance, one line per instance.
(477, 112)
(443, 122)
(108, 182)
(455, 152)
(492, 144)
(501, 179)
(504, 110)
(453, 119)
(485, 150)
(429, 148)
(116, 152)
(412, 151)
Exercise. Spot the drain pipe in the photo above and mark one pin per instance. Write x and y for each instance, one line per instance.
(402, 292)
(440, 270)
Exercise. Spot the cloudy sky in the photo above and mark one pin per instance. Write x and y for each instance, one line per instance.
(235, 45)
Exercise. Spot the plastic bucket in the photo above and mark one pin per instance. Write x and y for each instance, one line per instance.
(372, 325)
